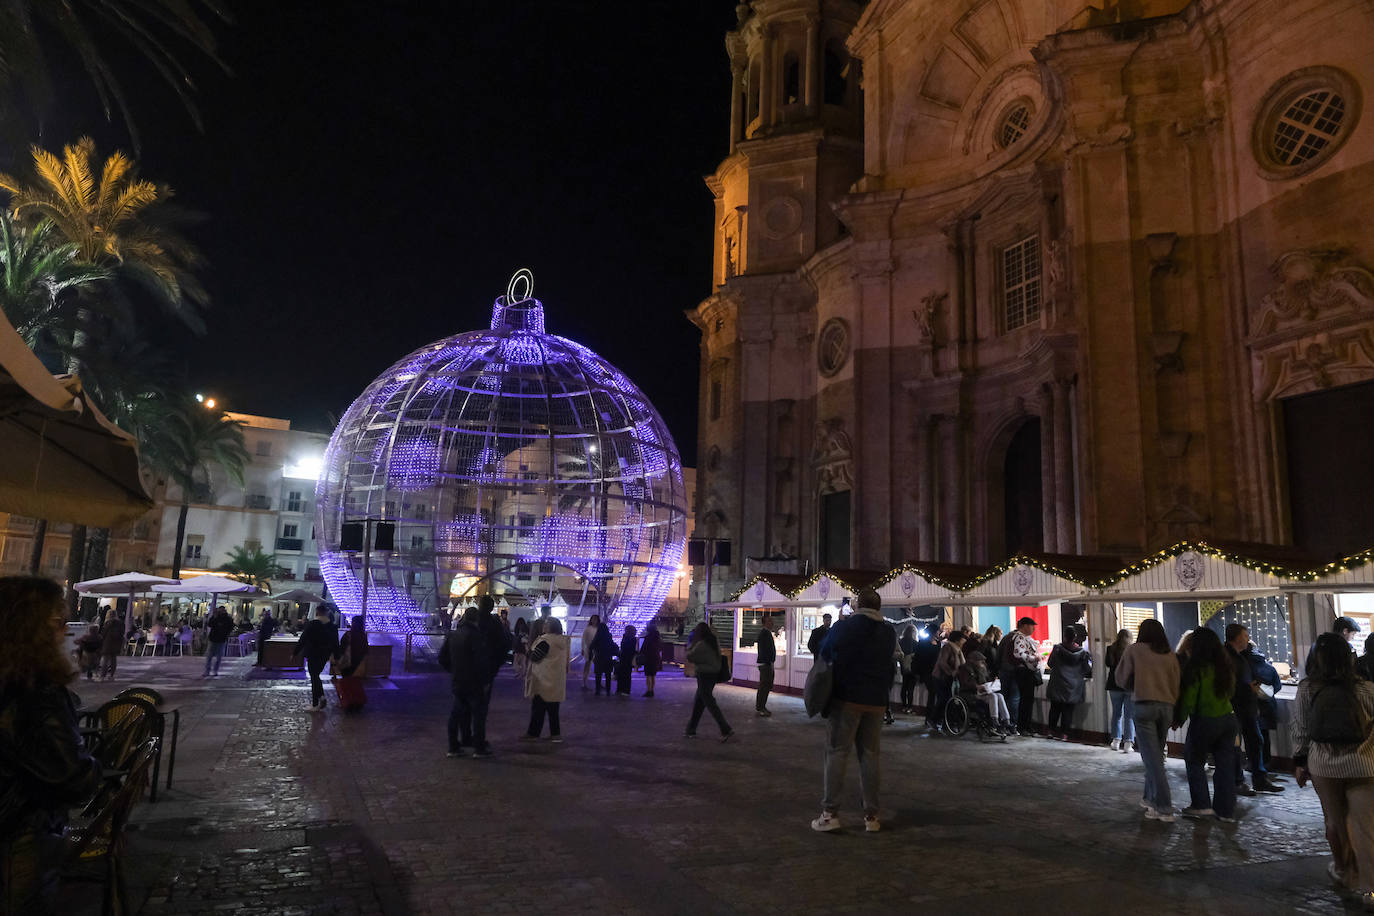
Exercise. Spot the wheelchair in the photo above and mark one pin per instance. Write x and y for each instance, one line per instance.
(964, 711)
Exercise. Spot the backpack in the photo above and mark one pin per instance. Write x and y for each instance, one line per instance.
(1334, 716)
(820, 682)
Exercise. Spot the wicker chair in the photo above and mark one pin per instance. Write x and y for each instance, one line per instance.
(102, 837)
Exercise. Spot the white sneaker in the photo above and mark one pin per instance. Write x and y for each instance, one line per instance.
(872, 824)
(825, 823)
(1115, 745)
(1126, 747)
(1165, 816)
(1197, 812)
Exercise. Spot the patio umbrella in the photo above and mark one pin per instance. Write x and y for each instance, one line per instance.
(299, 596)
(125, 584)
(212, 585)
(61, 460)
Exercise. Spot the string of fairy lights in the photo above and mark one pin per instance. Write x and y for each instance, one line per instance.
(1288, 574)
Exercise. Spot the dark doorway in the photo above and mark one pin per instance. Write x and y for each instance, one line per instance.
(835, 530)
(1329, 439)
(1022, 504)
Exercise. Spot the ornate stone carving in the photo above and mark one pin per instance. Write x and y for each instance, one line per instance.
(925, 316)
(1314, 329)
(1313, 282)
(833, 457)
(832, 347)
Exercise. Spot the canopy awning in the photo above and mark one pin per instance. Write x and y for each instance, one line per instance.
(61, 459)
(211, 585)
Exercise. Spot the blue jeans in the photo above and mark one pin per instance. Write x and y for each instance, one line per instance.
(1152, 720)
(1216, 736)
(214, 651)
(1252, 733)
(1122, 709)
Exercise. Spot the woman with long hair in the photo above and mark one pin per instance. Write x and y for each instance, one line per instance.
(1122, 730)
(704, 654)
(43, 767)
(1333, 738)
(992, 640)
(1205, 704)
(652, 653)
(520, 639)
(1070, 664)
(546, 681)
(907, 646)
(1154, 667)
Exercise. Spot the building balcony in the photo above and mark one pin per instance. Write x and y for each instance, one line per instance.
(291, 544)
(257, 501)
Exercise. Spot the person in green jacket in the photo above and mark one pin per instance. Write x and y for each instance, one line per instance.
(1205, 703)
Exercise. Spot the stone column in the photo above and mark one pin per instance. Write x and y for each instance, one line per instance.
(811, 94)
(767, 108)
(1064, 487)
(925, 489)
(951, 483)
(1048, 505)
(736, 104)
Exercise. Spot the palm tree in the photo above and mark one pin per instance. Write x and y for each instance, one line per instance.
(189, 441)
(252, 566)
(116, 221)
(156, 29)
(38, 278)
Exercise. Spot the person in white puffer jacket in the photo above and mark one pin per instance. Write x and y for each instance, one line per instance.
(546, 679)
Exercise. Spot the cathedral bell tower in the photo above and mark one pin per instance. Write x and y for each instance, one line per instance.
(796, 126)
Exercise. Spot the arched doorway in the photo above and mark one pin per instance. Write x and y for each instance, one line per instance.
(1022, 498)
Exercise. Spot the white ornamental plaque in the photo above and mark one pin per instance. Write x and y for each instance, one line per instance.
(1188, 569)
(1021, 579)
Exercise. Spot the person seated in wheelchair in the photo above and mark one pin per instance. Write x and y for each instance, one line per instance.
(976, 682)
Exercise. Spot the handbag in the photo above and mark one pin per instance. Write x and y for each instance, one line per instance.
(820, 684)
(724, 673)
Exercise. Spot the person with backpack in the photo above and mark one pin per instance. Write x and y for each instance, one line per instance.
(1205, 704)
(1071, 665)
(859, 650)
(709, 667)
(1122, 729)
(1333, 737)
(475, 651)
(1018, 668)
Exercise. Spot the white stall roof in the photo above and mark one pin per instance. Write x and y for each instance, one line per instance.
(922, 584)
(764, 590)
(1194, 570)
(832, 587)
(1038, 579)
(1354, 573)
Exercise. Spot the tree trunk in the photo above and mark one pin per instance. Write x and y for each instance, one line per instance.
(40, 534)
(76, 565)
(97, 554)
(181, 533)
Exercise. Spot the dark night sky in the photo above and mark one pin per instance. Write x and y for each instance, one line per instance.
(373, 172)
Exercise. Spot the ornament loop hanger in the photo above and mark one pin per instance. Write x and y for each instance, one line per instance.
(523, 275)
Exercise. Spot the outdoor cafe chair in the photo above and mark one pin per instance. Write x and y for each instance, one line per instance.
(132, 644)
(118, 726)
(155, 698)
(103, 836)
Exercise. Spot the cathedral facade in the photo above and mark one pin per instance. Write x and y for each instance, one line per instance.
(1001, 276)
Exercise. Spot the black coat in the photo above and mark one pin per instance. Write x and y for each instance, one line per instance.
(44, 768)
(860, 650)
(318, 642)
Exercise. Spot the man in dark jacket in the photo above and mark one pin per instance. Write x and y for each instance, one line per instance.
(768, 656)
(859, 649)
(221, 625)
(1245, 703)
(923, 667)
(319, 642)
(266, 627)
(813, 642)
(474, 652)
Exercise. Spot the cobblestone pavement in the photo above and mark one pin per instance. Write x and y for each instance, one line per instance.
(278, 810)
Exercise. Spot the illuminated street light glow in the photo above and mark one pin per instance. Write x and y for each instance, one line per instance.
(503, 456)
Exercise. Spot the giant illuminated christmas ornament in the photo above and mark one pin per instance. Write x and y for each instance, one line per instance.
(511, 461)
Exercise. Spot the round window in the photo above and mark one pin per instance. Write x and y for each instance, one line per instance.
(1304, 120)
(1014, 123)
(832, 346)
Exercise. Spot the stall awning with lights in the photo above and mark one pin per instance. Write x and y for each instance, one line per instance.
(915, 585)
(1197, 571)
(1037, 579)
(765, 590)
(833, 587)
(1354, 573)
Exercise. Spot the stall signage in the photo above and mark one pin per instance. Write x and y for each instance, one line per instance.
(1021, 579)
(908, 583)
(1188, 569)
